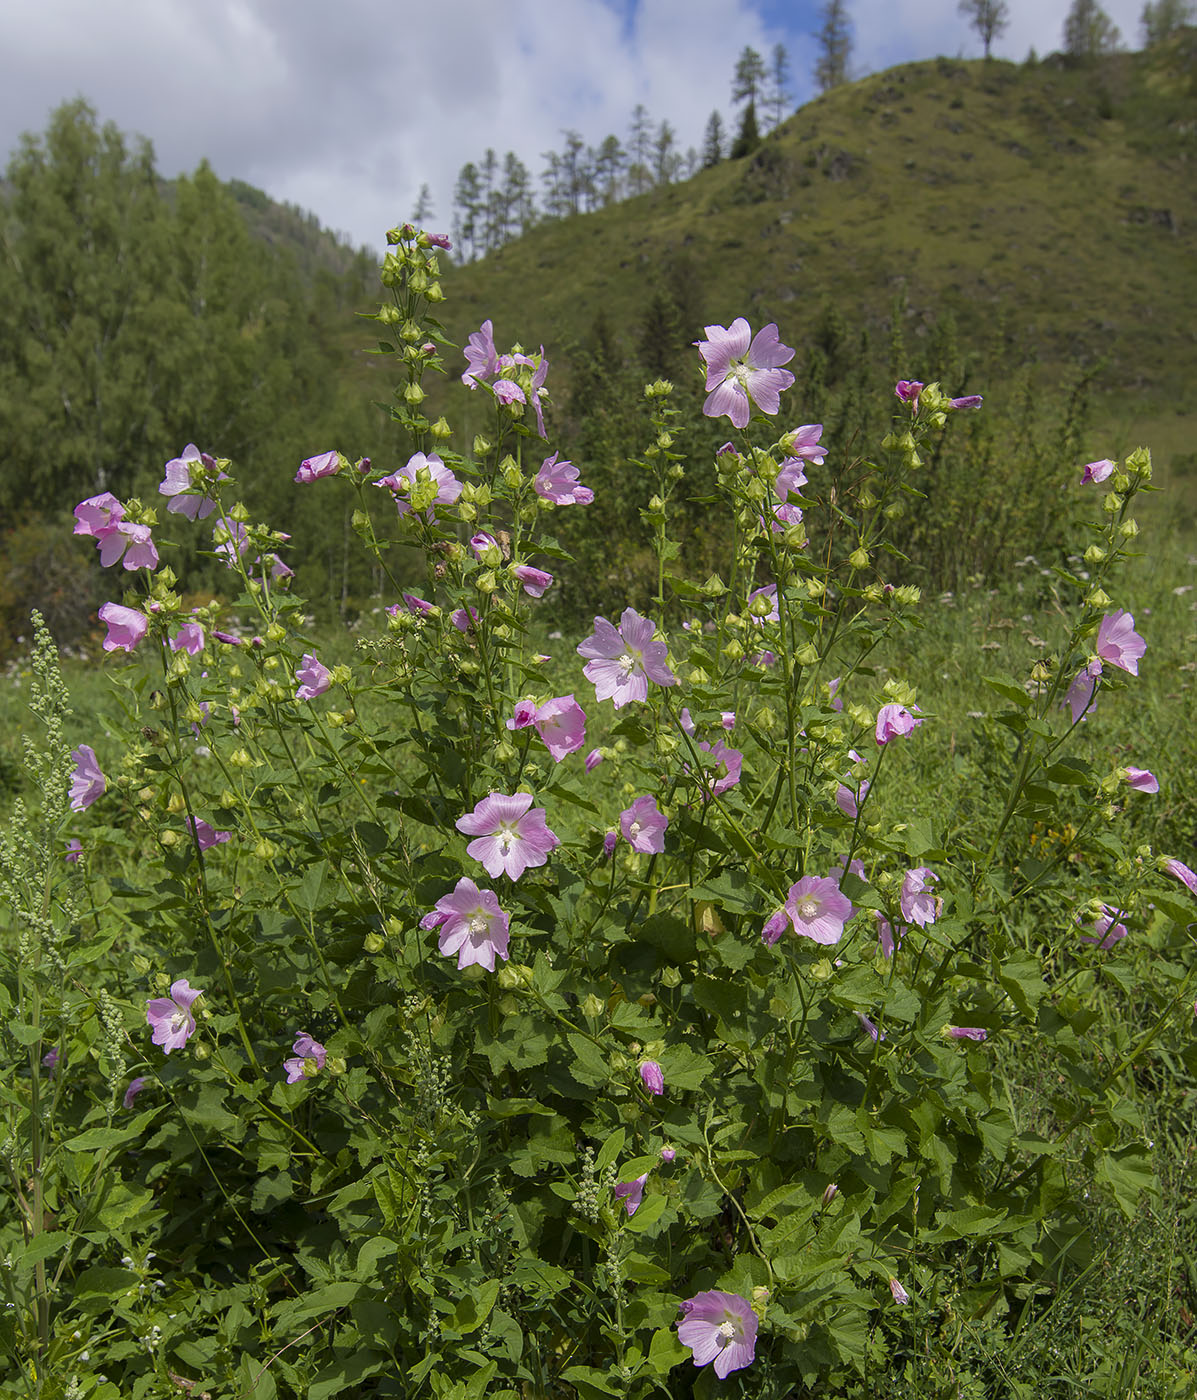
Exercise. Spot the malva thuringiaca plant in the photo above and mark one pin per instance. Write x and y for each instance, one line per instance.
(460, 1037)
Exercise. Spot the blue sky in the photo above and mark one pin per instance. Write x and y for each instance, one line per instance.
(347, 109)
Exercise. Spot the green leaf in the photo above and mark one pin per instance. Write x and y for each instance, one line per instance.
(647, 1213)
(1128, 1172)
(665, 1351)
(610, 1151)
(473, 1310)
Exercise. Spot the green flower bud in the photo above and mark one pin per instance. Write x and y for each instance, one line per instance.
(859, 559)
(592, 1007)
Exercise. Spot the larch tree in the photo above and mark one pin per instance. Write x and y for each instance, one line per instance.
(835, 41)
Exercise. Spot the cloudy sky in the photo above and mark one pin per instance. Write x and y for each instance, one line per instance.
(347, 108)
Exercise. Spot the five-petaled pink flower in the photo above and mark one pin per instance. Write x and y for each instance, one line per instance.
(471, 924)
(1106, 929)
(189, 638)
(313, 468)
(534, 581)
(919, 904)
(131, 544)
(1180, 871)
(510, 838)
(895, 721)
(558, 482)
(87, 782)
(623, 661)
(729, 764)
(1141, 779)
(632, 1193)
(126, 626)
(206, 836)
(408, 477)
(561, 724)
(482, 360)
(815, 908)
(652, 1076)
(308, 1059)
(170, 1017)
(739, 372)
(186, 499)
(643, 825)
(719, 1327)
(1119, 643)
(314, 679)
(889, 936)
(908, 390)
(1097, 471)
(98, 514)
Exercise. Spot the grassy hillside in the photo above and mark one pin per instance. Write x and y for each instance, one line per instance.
(1050, 209)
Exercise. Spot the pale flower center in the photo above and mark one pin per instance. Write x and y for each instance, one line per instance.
(506, 836)
(727, 1332)
(178, 1020)
(629, 661)
(808, 909)
(478, 923)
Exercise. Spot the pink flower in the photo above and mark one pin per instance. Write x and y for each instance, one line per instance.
(815, 908)
(1080, 693)
(98, 514)
(408, 478)
(510, 838)
(189, 638)
(414, 604)
(908, 390)
(803, 444)
(561, 724)
(610, 841)
(471, 924)
(135, 1088)
(869, 1028)
(1119, 643)
(309, 1059)
(177, 484)
(593, 759)
(668, 1154)
(126, 626)
(643, 825)
(482, 361)
(901, 1297)
(87, 782)
(719, 1327)
(652, 1076)
(1098, 471)
(50, 1059)
(919, 904)
(729, 764)
(438, 240)
(888, 936)
(206, 836)
(727, 718)
(558, 482)
(482, 543)
(835, 701)
(895, 721)
(632, 1193)
(1141, 780)
(314, 679)
(848, 800)
(790, 478)
(508, 391)
(523, 716)
(1106, 932)
(967, 1033)
(464, 619)
(623, 662)
(312, 469)
(1180, 871)
(131, 542)
(170, 1017)
(738, 372)
(968, 401)
(534, 581)
(73, 851)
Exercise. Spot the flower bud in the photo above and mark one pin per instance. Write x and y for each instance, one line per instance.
(592, 1007)
(859, 559)
(1099, 598)
(1128, 529)
(482, 445)
(441, 429)
(829, 1195)
(1094, 555)
(201, 1050)
(374, 943)
(413, 394)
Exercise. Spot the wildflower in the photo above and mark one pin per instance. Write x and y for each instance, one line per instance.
(968, 401)
(126, 626)
(314, 679)
(464, 618)
(901, 1297)
(1106, 931)
(643, 826)
(558, 482)
(790, 478)
(1180, 871)
(50, 1059)
(73, 851)
(766, 609)
(128, 542)
(87, 782)
(895, 721)
(313, 468)
(593, 759)
(610, 841)
(534, 581)
(206, 836)
(414, 604)
(739, 373)
(508, 391)
(482, 544)
(1080, 693)
(889, 936)
(652, 1076)
(623, 661)
(632, 1193)
(98, 514)
(471, 924)
(815, 908)
(189, 638)
(482, 360)
(967, 1033)
(668, 1154)
(408, 479)
(135, 1088)
(849, 800)
(309, 1059)
(867, 1025)
(1119, 643)
(919, 905)
(1141, 779)
(438, 240)
(803, 444)
(729, 765)
(510, 838)
(719, 1327)
(170, 1017)
(523, 715)
(908, 390)
(561, 724)
(1098, 471)
(177, 484)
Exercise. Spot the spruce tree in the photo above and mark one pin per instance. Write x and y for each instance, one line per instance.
(778, 100)
(835, 45)
(712, 141)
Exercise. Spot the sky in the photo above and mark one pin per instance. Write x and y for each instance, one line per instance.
(346, 109)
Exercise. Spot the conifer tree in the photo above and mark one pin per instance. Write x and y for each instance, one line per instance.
(424, 208)
(609, 162)
(467, 211)
(639, 150)
(1161, 19)
(835, 45)
(518, 201)
(989, 18)
(1089, 32)
(749, 137)
(712, 141)
(665, 158)
(749, 79)
(778, 99)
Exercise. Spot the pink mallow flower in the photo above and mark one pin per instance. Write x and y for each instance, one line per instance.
(815, 908)
(593, 759)
(170, 1017)
(1106, 930)
(643, 825)
(131, 544)
(189, 638)
(900, 1295)
(1119, 643)
(308, 1061)
(790, 478)
(908, 390)
(87, 782)
(534, 581)
(126, 626)
(740, 374)
(652, 1076)
(1141, 779)
(482, 360)
(848, 800)
(313, 468)
(632, 1193)
(803, 445)
(471, 924)
(967, 1033)
(558, 482)
(177, 484)
(919, 904)
(1080, 693)
(1097, 471)
(729, 765)
(98, 514)
(510, 838)
(314, 679)
(73, 851)
(1180, 871)
(135, 1088)
(895, 721)
(407, 479)
(561, 724)
(889, 936)
(206, 836)
(523, 715)
(720, 1328)
(622, 662)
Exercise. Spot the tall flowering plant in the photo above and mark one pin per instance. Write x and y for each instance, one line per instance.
(654, 1065)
